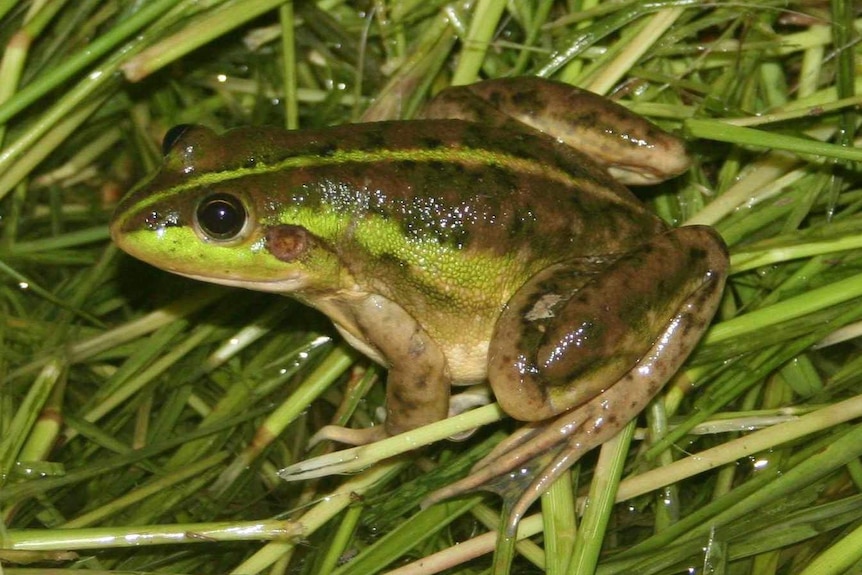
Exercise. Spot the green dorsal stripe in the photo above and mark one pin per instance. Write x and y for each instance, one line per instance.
(466, 156)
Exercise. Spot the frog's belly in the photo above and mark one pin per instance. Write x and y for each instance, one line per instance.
(468, 362)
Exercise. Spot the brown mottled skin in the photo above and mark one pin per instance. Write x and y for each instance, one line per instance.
(455, 251)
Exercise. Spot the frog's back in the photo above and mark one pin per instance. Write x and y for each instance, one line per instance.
(451, 183)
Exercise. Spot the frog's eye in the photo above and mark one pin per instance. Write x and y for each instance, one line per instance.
(221, 217)
(172, 135)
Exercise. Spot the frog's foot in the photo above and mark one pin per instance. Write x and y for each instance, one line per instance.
(474, 396)
(348, 435)
(524, 466)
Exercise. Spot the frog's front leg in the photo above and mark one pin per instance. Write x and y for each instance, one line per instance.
(587, 350)
(418, 382)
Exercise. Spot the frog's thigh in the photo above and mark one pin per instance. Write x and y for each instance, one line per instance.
(418, 383)
(567, 336)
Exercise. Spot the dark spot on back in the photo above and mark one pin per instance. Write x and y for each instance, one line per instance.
(431, 143)
(327, 150)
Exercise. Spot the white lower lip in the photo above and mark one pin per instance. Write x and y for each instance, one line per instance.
(281, 285)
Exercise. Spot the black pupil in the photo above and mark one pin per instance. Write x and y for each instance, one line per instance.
(221, 216)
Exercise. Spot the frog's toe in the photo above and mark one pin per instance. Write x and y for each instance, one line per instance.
(473, 397)
(523, 466)
(514, 483)
(347, 435)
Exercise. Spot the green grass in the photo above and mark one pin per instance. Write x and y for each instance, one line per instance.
(144, 417)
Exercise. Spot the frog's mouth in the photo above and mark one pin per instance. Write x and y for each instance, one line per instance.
(291, 283)
(179, 250)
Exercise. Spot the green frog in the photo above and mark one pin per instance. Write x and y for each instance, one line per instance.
(485, 241)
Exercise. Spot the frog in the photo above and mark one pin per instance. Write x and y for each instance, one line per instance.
(490, 239)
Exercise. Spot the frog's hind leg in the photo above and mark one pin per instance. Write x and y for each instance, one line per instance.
(577, 328)
(558, 352)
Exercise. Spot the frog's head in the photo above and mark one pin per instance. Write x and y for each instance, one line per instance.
(211, 212)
